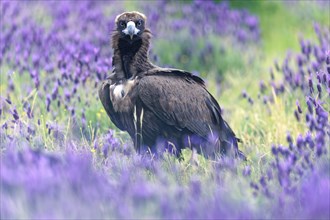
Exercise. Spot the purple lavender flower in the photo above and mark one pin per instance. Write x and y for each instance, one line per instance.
(15, 114)
(296, 114)
(247, 171)
(309, 106)
(250, 100)
(59, 60)
(262, 86)
(8, 101)
(298, 107)
(244, 94)
(48, 101)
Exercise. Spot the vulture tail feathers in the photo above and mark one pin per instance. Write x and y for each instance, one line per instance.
(229, 142)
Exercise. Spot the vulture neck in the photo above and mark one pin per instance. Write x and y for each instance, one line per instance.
(131, 58)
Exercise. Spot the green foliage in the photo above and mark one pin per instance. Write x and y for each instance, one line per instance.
(282, 22)
(258, 126)
(238, 67)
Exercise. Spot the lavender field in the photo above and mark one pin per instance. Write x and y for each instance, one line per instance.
(267, 64)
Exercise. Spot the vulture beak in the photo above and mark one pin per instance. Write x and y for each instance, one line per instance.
(131, 30)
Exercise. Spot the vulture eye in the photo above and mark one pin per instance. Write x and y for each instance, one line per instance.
(139, 23)
(122, 23)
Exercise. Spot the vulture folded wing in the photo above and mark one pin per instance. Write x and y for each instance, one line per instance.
(179, 99)
(104, 95)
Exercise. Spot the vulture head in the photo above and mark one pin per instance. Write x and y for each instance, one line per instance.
(130, 25)
(130, 41)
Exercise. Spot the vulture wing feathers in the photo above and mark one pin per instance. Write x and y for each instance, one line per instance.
(181, 100)
(172, 97)
(104, 95)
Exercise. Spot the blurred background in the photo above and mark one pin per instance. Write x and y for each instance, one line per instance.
(53, 42)
(59, 51)
(260, 59)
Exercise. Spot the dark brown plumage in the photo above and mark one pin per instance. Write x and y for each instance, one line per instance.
(160, 104)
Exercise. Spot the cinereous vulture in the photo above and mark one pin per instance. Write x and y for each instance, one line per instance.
(161, 105)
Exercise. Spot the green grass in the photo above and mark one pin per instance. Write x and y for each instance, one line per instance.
(258, 126)
(281, 25)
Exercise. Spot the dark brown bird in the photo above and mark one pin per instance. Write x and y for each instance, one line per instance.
(161, 107)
